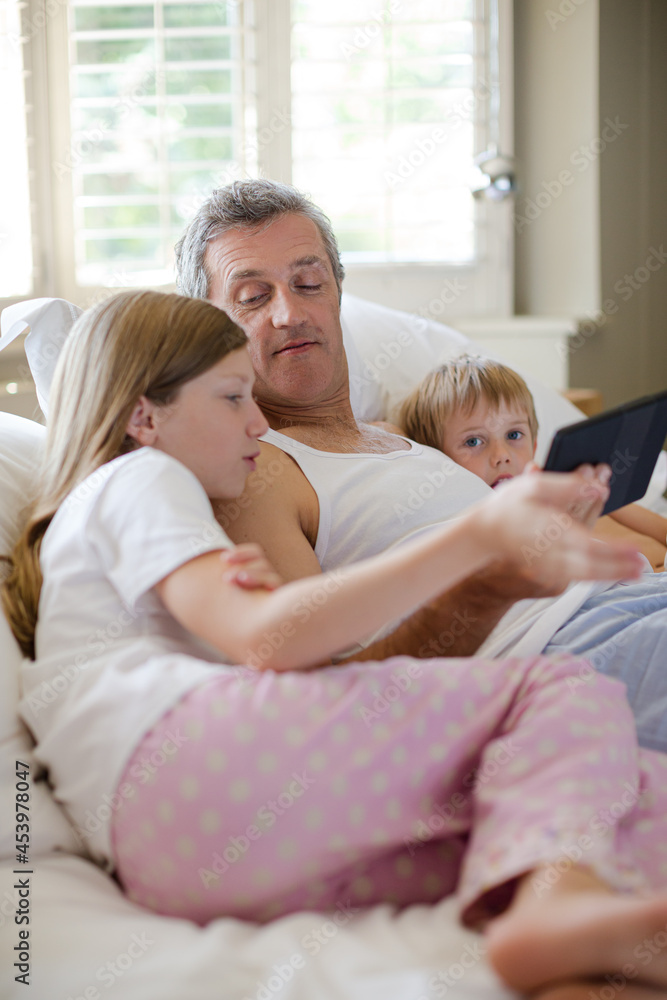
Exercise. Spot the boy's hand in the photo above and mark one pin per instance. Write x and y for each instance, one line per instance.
(247, 566)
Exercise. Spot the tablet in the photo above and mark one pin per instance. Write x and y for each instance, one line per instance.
(627, 438)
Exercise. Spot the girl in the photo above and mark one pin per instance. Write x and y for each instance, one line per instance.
(258, 790)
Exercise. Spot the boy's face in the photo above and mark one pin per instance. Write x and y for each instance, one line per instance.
(494, 444)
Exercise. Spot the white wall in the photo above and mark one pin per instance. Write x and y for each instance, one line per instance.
(579, 66)
(556, 113)
(630, 352)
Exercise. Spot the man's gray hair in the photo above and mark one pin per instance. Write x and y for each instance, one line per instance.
(241, 205)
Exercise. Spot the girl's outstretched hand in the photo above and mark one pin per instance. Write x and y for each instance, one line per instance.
(247, 566)
(587, 504)
(541, 523)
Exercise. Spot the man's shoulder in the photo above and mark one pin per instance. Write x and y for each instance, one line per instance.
(277, 490)
(273, 464)
(275, 472)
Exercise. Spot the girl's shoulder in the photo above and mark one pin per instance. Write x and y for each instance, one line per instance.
(137, 496)
(129, 476)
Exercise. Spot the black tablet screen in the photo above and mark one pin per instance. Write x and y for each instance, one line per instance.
(628, 439)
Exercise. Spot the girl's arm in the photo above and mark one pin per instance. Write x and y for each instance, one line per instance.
(307, 620)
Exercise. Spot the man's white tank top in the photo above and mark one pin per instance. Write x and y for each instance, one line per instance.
(370, 503)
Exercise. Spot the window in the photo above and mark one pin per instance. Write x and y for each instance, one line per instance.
(16, 259)
(157, 98)
(375, 107)
(383, 123)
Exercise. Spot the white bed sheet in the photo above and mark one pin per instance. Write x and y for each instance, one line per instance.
(88, 941)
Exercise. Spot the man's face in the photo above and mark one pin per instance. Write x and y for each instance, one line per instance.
(276, 282)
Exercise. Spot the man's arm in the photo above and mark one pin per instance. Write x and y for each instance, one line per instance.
(279, 511)
(459, 620)
(455, 624)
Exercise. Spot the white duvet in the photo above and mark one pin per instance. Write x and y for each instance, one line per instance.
(89, 942)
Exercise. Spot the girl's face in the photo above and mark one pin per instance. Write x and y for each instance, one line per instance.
(494, 444)
(213, 424)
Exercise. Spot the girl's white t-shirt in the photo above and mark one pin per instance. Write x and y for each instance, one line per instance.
(110, 659)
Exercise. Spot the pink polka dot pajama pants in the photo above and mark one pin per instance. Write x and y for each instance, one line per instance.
(400, 781)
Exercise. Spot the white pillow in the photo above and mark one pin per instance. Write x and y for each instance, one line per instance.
(47, 323)
(20, 445)
(398, 349)
(394, 350)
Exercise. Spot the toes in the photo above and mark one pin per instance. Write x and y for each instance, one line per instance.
(599, 989)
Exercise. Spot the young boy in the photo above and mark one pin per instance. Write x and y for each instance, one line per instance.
(481, 414)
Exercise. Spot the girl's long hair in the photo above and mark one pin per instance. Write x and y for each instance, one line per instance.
(138, 343)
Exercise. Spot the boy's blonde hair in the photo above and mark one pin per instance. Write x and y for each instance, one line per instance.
(138, 343)
(458, 386)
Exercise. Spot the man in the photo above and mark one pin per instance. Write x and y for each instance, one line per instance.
(324, 491)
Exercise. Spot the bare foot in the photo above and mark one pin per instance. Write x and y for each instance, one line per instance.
(580, 929)
(599, 989)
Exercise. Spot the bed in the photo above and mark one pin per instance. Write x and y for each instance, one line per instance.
(65, 927)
